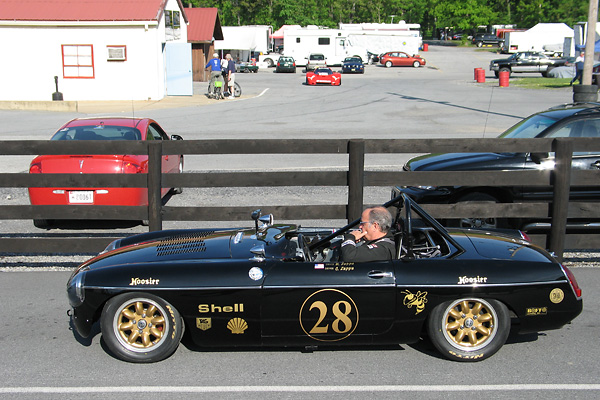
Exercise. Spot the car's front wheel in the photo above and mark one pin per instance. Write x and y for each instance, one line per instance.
(141, 327)
(388, 64)
(469, 329)
(416, 64)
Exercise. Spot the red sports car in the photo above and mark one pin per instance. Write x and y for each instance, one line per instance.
(401, 59)
(101, 129)
(323, 76)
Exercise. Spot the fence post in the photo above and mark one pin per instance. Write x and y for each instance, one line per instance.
(154, 185)
(356, 176)
(561, 182)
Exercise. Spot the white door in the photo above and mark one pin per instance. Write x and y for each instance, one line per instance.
(179, 69)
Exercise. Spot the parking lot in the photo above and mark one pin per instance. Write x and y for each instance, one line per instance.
(440, 100)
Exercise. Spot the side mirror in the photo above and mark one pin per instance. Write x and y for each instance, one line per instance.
(538, 157)
(176, 137)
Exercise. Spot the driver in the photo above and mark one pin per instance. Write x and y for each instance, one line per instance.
(373, 241)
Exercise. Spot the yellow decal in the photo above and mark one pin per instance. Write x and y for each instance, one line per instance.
(419, 299)
(140, 281)
(328, 315)
(237, 326)
(466, 357)
(174, 321)
(204, 323)
(213, 308)
(557, 295)
(537, 311)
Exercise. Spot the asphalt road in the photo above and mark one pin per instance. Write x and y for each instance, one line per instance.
(43, 359)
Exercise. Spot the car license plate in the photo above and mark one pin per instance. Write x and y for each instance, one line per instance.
(81, 196)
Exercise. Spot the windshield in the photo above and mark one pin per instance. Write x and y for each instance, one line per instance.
(98, 132)
(529, 128)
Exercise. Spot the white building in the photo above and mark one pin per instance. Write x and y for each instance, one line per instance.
(98, 49)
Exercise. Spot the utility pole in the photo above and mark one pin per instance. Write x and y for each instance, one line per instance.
(590, 43)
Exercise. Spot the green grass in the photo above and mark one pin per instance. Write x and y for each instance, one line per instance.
(540, 83)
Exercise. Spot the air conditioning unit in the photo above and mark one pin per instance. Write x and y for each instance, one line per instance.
(116, 53)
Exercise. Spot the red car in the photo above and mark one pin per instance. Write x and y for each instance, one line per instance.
(324, 76)
(401, 59)
(101, 129)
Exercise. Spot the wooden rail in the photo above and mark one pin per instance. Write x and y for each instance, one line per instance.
(356, 178)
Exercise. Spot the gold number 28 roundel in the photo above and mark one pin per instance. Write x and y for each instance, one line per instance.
(328, 315)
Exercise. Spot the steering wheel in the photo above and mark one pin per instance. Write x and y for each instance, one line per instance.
(304, 246)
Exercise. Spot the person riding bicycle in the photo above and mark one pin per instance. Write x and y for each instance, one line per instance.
(215, 72)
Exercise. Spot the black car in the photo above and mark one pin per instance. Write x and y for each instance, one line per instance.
(285, 64)
(527, 61)
(285, 285)
(353, 65)
(481, 39)
(575, 120)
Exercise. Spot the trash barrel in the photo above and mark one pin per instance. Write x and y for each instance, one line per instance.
(475, 73)
(503, 78)
(425, 46)
(480, 75)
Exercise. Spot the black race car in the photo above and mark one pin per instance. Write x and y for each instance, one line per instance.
(281, 284)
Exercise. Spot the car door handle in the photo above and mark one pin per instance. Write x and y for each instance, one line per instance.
(380, 274)
(596, 164)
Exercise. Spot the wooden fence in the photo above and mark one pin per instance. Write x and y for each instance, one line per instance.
(355, 178)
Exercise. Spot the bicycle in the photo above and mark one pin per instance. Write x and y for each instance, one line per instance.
(237, 90)
(215, 89)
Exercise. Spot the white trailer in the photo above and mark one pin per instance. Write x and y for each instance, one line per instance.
(337, 44)
(243, 41)
(546, 38)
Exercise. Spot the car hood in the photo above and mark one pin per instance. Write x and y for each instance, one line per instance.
(466, 162)
(192, 244)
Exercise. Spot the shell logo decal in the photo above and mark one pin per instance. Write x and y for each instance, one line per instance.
(237, 326)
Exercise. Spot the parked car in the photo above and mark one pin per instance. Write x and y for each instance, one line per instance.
(286, 64)
(353, 65)
(246, 67)
(401, 59)
(575, 120)
(481, 39)
(526, 61)
(121, 129)
(323, 76)
(314, 61)
(285, 285)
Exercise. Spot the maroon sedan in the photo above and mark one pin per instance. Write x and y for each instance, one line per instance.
(401, 59)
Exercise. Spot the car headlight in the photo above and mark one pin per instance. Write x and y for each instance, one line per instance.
(75, 290)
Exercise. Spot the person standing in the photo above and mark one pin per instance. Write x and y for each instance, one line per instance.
(578, 68)
(215, 71)
(230, 75)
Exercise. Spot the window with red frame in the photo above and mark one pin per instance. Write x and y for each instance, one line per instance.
(78, 61)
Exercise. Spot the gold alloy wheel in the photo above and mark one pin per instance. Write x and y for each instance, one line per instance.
(470, 324)
(140, 324)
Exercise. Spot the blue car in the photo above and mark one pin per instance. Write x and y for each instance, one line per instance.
(353, 65)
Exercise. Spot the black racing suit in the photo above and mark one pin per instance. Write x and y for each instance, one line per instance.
(374, 250)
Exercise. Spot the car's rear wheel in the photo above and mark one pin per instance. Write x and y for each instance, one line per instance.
(388, 64)
(416, 64)
(469, 329)
(141, 327)
(478, 222)
(479, 44)
(42, 223)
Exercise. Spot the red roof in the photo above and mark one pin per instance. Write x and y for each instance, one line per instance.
(83, 10)
(203, 25)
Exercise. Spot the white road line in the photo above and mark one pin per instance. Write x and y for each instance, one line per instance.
(297, 389)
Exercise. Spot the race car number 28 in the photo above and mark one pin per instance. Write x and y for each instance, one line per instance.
(328, 315)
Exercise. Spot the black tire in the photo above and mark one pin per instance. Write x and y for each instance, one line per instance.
(478, 222)
(469, 329)
(546, 73)
(504, 69)
(42, 223)
(269, 62)
(179, 190)
(154, 337)
(237, 89)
